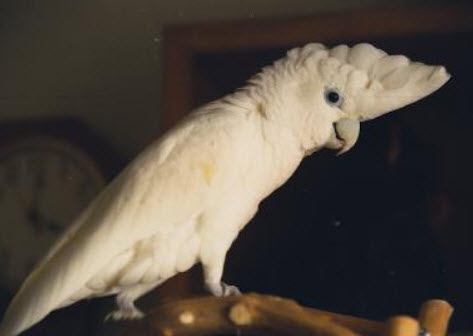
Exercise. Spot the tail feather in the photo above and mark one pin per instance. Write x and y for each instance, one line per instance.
(24, 311)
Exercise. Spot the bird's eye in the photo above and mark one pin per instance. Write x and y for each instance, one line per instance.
(333, 97)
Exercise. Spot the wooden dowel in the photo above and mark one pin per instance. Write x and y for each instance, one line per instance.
(434, 316)
(362, 326)
(402, 326)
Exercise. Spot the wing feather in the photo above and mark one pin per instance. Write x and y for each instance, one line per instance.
(161, 188)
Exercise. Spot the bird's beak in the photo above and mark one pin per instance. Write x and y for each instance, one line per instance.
(344, 135)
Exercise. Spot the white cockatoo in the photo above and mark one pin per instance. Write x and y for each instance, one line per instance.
(184, 199)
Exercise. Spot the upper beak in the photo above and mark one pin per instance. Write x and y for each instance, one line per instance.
(344, 135)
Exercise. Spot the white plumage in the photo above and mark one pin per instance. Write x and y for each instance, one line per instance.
(184, 199)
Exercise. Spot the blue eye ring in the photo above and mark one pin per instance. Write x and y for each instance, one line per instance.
(333, 97)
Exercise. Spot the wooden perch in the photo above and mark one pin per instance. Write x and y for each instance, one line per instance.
(269, 315)
(402, 326)
(434, 316)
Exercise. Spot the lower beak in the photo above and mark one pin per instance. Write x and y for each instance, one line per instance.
(344, 136)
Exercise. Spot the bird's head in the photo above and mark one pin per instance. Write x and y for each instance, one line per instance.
(333, 90)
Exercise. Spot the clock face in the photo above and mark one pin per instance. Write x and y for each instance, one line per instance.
(44, 185)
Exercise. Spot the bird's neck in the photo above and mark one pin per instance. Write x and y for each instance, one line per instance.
(281, 149)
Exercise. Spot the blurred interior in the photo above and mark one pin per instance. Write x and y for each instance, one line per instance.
(372, 233)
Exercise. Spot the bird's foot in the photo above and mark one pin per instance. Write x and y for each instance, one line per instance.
(222, 289)
(125, 314)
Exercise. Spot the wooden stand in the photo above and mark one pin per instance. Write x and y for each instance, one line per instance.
(269, 315)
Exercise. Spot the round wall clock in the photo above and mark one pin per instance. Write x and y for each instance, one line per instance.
(45, 182)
